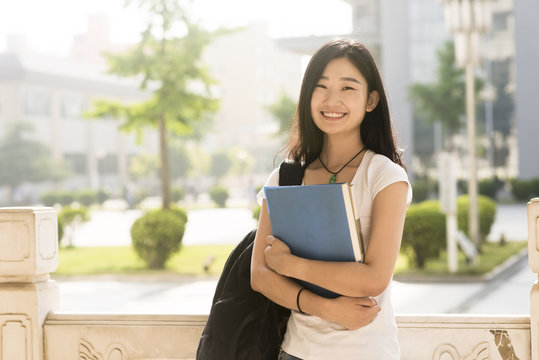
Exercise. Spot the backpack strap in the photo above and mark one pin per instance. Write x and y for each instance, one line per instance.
(291, 173)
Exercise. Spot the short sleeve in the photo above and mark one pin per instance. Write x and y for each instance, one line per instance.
(383, 173)
(272, 180)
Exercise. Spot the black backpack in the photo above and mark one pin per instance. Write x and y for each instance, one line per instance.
(243, 324)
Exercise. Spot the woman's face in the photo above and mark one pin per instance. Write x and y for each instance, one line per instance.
(340, 98)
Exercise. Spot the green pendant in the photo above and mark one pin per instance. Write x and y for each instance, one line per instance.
(332, 179)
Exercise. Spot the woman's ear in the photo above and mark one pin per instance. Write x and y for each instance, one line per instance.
(372, 101)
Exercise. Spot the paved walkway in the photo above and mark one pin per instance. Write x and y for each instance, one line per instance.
(505, 294)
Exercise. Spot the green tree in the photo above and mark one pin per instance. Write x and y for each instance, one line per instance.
(283, 110)
(169, 66)
(180, 160)
(220, 163)
(24, 160)
(444, 100)
(143, 165)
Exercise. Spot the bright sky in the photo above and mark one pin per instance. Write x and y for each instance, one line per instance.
(49, 25)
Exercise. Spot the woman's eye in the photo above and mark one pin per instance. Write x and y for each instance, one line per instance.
(320, 86)
(348, 88)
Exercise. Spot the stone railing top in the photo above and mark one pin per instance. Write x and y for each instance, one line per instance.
(28, 244)
(533, 234)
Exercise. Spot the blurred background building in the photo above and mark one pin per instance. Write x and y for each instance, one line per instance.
(253, 70)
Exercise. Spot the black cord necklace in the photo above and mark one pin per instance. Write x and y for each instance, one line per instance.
(333, 177)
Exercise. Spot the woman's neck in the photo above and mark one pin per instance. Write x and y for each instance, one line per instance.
(338, 151)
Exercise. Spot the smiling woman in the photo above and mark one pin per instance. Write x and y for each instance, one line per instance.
(342, 128)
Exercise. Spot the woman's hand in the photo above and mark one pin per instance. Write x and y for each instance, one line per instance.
(352, 313)
(277, 254)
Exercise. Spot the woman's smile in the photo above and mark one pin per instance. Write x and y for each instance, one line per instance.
(333, 115)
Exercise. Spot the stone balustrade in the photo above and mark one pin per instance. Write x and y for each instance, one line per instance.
(31, 329)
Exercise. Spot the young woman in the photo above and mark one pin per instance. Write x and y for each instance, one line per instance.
(343, 133)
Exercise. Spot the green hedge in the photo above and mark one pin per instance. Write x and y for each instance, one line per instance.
(424, 232)
(177, 194)
(52, 198)
(219, 194)
(490, 187)
(68, 217)
(157, 235)
(85, 197)
(487, 213)
(256, 212)
(525, 190)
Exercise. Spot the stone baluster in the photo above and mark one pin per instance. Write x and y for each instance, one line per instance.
(533, 256)
(28, 254)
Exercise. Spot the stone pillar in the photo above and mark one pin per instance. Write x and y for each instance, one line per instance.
(533, 256)
(28, 254)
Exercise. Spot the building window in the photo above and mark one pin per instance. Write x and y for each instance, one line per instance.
(500, 22)
(36, 103)
(108, 164)
(71, 107)
(76, 162)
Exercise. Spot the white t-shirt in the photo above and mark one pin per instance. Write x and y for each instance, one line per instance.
(311, 338)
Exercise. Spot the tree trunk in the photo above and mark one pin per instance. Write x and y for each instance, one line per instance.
(165, 167)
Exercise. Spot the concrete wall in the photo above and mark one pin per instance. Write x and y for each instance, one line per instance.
(30, 330)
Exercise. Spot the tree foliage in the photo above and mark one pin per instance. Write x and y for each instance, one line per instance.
(167, 62)
(283, 111)
(444, 100)
(24, 160)
(221, 163)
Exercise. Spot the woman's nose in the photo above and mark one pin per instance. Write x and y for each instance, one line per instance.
(332, 98)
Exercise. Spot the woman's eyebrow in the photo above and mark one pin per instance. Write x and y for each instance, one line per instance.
(351, 79)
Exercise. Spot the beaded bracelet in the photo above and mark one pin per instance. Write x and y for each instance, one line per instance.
(297, 300)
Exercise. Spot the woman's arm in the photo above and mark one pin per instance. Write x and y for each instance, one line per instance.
(349, 278)
(349, 312)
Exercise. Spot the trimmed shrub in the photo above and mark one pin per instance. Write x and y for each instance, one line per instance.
(156, 236)
(524, 190)
(490, 187)
(177, 194)
(487, 213)
(256, 212)
(60, 230)
(139, 195)
(424, 232)
(219, 194)
(49, 199)
(179, 212)
(52, 198)
(66, 198)
(86, 197)
(462, 186)
(102, 196)
(420, 189)
(69, 218)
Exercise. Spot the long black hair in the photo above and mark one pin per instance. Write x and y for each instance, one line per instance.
(376, 131)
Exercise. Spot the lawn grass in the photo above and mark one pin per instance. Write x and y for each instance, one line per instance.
(493, 254)
(190, 261)
(123, 260)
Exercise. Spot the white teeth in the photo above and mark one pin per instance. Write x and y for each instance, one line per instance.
(333, 115)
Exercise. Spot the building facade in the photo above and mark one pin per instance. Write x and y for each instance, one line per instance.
(52, 95)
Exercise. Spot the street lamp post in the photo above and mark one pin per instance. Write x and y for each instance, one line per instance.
(467, 20)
